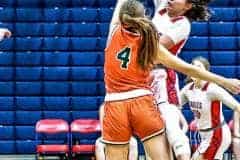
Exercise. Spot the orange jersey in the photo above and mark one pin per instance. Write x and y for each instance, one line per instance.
(122, 71)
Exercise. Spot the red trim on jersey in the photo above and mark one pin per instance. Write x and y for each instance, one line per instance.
(215, 113)
(175, 19)
(171, 88)
(174, 50)
(191, 87)
(162, 11)
(205, 86)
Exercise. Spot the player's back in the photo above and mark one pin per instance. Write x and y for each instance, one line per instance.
(122, 71)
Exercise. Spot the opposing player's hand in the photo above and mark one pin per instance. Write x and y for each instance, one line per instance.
(4, 32)
(233, 85)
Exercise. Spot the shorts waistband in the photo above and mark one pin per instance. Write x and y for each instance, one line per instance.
(127, 95)
(213, 128)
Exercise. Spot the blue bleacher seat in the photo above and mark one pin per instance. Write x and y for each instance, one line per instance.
(7, 118)
(6, 74)
(84, 103)
(101, 73)
(199, 29)
(8, 147)
(93, 58)
(9, 26)
(226, 71)
(7, 104)
(6, 58)
(7, 14)
(84, 73)
(105, 14)
(238, 71)
(223, 57)
(56, 44)
(238, 27)
(28, 3)
(29, 44)
(56, 73)
(222, 29)
(28, 117)
(56, 88)
(104, 28)
(29, 103)
(101, 90)
(83, 44)
(238, 13)
(87, 15)
(28, 73)
(84, 88)
(7, 3)
(84, 3)
(84, 29)
(56, 114)
(56, 103)
(6, 44)
(56, 59)
(25, 147)
(29, 14)
(197, 43)
(224, 14)
(28, 88)
(6, 89)
(106, 3)
(25, 132)
(28, 29)
(57, 3)
(55, 29)
(56, 14)
(235, 3)
(101, 44)
(223, 43)
(28, 58)
(220, 3)
(85, 114)
(7, 133)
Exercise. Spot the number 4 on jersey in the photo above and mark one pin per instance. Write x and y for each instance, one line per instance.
(124, 57)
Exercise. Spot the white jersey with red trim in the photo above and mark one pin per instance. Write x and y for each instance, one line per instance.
(206, 103)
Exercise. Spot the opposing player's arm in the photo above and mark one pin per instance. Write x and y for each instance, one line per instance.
(171, 61)
(236, 124)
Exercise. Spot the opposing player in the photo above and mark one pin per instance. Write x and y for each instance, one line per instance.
(205, 100)
(172, 19)
(132, 50)
(236, 135)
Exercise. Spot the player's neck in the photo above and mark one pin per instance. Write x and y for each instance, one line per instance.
(175, 14)
(199, 84)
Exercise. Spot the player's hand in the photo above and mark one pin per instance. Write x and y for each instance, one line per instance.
(4, 32)
(233, 85)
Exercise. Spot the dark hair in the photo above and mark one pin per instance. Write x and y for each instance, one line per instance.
(132, 17)
(199, 10)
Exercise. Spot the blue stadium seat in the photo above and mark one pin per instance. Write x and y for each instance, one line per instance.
(238, 27)
(28, 73)
(7, 3)
(6, 89)
(6, 74)
(29, 15)
(6, 44)
(8, 147)
(84, 74)
(29, 103)
(7, 104)
(238, 13)
(238, 71)
(56, 14)
(84, 44)
(100, 73)
(199, 29)
(56, 73)
(104, 28)
(226, 71)
(57, 3)
(6, 58)
(28, 29)
(83, 29)
(223, 57)
(7, 133)
(28, 4)
(55, 29)
(223, 43)
(84, 3)
(220, 3)
(106, 3)
(7, 14)
(222, 29)
(7, 118)
(224, 14)
(235, 3)
(25, 147)
(56, 88)
(25, 132)
(84, 88)
(197, 43)
(28, 88)
(87, 15)
(105, 14)
(27, 117)
(85, 114)
(29, 44)
(56, 59)
(56, 44)
(56, 114)
(93, 58)
(84, 103)
(56, 103)
(28, 58)
(9, 26)
(101, 44)
(101, 90)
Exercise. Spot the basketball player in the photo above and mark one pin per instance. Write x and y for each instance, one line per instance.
(205, 100)
(236, 135)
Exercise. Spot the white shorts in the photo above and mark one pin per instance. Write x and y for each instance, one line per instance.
(215, 143)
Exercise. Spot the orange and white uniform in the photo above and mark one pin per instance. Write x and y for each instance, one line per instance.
(129, 103)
